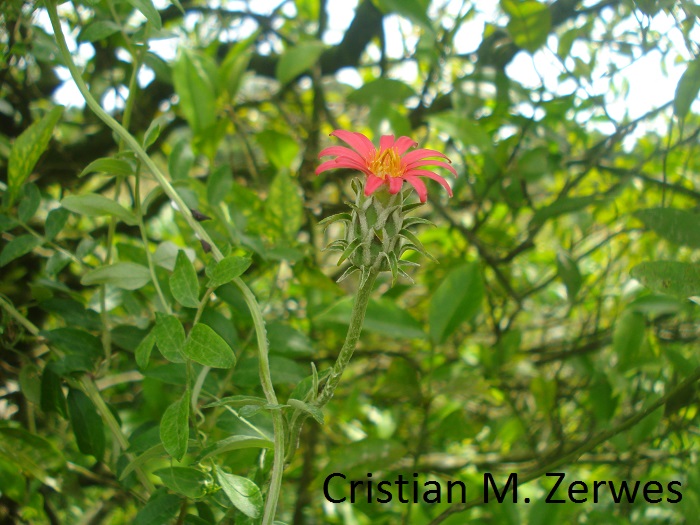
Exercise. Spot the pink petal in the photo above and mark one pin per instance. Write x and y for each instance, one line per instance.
(419, 186)
(429, 162)
(430, 175)
(341, 151)
(342, 162)
(386, 142)
(402, 144)
(395, 184)
(421, 154)
(371, 184)
(357, 140)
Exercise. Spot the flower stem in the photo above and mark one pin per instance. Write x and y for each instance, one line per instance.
(357, 319)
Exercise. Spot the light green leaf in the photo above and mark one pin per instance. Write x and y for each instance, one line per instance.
(235, 443)
(174, 427)
(109, 166)
(196, 92)
(149, 11)
(170, 337)
(189, 482)
(284, 206)
(144, 349)
(181, 159)
(55, 221)
(561, 207)
(355, 457)
(456, 300)
(219, 183)
(628, 336)
(98, 30)
(226, 270)
(298, 59)
(529, 24)
(382, 89)
(125, 275)
(279, 148)
(87, 424)
(675, 278)
(18, 247)
(312, 410)
(95, 205)
(208, 348)
(677, 226)
(183, 282)
(687, 89)
(569, 273)
(27, 149)
(243, 493)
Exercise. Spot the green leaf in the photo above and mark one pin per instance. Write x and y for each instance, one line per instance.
(170, 337)
(52, 397)
(125, 275)
(195, 90)
(561, 207)
(226, 270)
(298, 59)
(311, 410)
(235, 443)
(27, 149)
(285, 340)
(98, 30)
(29, 202)
(529, 23)
(569, 273)
(355, 458)
(284, 205)
(677, 226)
(144, 349)
(31, 454)
(109, 166)
(384, 89)
(243, 493)
(675, 278)
(95, 205)
(413, 10)
(18, 247)
(383, 317)
(74, 341)
(189, 482)
(174, 427)
(149, 11)
(456, 300)
(219, 184)
(161, 509)
(55, 221)
(687, 89)
(467, 131)
(279, 148)
(184, 284)
(208, 348)
(87, 424)
(181, 159)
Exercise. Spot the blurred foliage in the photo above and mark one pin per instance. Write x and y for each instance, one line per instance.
(562, 304)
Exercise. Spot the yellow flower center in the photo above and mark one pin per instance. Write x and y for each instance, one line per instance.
(386, 163)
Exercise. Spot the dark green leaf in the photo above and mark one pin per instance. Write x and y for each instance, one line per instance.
(55, 221)
(174, 427)
(235, 443)
(29, 202)
(457, 299)
(189, 482)
(569, 273)
(161, 509)
(170, 337)
(18, 247)
(87, 424)
(206, 347)
(184, 284)
(98, 30)
(52, 398)
(95, 205)
(144, 349)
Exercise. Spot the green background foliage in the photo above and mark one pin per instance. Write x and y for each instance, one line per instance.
(555, 332)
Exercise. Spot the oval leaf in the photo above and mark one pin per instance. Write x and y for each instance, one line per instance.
(87, 424)
(170, 337)
(243, 493)
(457, 299)
(183, 282)
(94, 205)
(208, 348)
(298, 59)
(174, 427)
(669, 277)
(226, 270)
(677, 226)
(125, 275)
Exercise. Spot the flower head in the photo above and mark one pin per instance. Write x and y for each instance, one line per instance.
(390, 164)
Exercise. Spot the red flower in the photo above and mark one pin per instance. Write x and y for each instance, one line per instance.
(389, 165)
